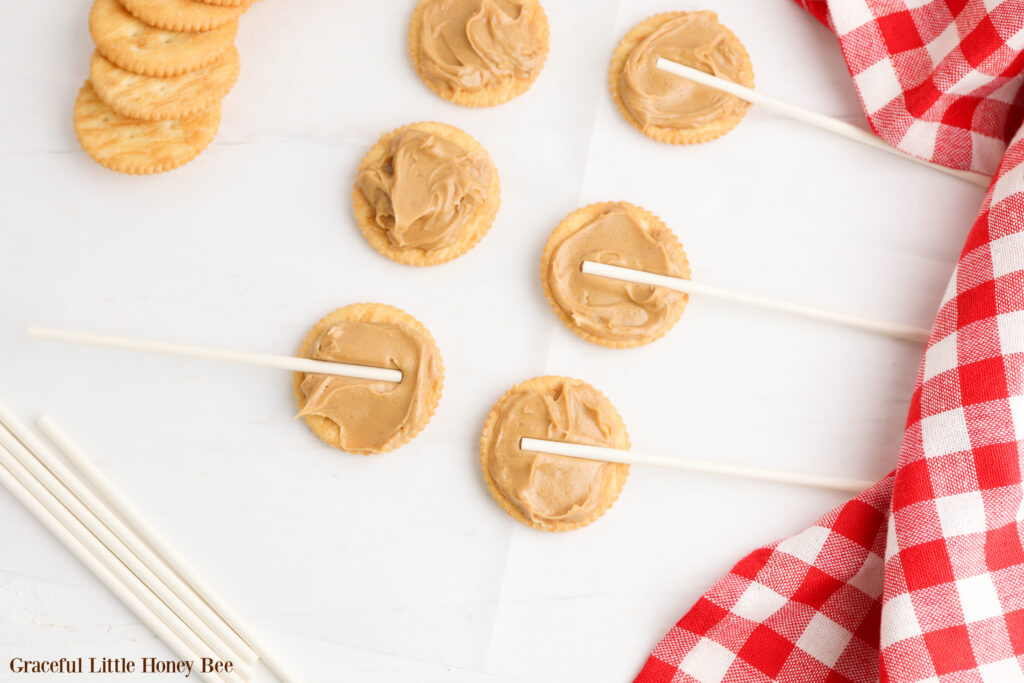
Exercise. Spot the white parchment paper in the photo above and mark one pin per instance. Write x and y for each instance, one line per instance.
(401, 567)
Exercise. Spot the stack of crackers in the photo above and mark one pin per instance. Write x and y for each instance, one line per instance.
(156, 80)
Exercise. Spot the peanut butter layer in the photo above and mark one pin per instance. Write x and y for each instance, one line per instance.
(372, 416)
(659, 100)
(552, 492)
(428, 194)
(605, 310)
(474, 45)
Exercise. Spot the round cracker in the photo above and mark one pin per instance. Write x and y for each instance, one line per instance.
(228, 3)
(473, 231)
(483, 97)
(139, 147)
(183, 15)
(142, 49)
(150, 98)
(573, 223)
(621, 470)
(327, 429)
(674, 136)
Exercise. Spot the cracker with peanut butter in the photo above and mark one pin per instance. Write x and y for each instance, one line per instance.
(425, 194)
(150, 98)
(606, 311)
(366, 416)
(137, 47)
(478, 53)
(552, 492)
(183, 15)
(229, 3)
(139, 147)
(669, 108)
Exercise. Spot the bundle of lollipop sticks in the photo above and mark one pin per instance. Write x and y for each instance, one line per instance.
(571, 450)
(79, 506)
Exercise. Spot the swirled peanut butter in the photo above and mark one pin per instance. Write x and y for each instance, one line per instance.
(425, 190)
(663, 100)
(551, 490)
(373, 416)
(622, 235)
(476, 44)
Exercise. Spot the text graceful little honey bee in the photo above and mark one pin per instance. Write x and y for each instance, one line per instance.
(120, 665)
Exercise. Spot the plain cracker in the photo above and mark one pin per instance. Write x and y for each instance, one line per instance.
(139, 147)
(228, 3)
(150, 98)
(183, 15)
(140, 48)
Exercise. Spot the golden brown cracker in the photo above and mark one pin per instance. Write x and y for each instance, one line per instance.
(569, 226)
(142, 49)
(183, 15)
(547, 383)
(473, 232)
(229, 3)
(486, 97)
(139, 147)
(674, 136)
(327, 429)
(150, 98)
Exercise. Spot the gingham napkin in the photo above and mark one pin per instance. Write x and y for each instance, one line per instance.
(920, 578)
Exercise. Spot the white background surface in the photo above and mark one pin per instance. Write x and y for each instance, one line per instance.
(401, 567)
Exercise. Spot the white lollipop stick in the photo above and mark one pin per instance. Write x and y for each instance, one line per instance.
(576, 450)
(642, 277)
(813, 118)
(187, 350)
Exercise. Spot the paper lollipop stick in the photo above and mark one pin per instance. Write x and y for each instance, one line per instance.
(225, 355)
(576, 450)
(809, 117)
(678, 284)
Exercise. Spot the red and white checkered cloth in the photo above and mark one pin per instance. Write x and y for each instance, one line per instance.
(920, 578)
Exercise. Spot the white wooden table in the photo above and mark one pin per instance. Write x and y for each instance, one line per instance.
(401, 567)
